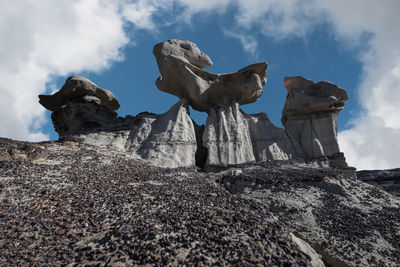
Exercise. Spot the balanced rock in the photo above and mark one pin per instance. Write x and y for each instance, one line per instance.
(230, 136)
(83, 110)
(76, 87)
(310, 115)
(180, 63)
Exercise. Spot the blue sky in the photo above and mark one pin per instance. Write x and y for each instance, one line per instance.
(353, 44)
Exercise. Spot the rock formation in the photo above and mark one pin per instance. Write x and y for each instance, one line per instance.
(310, 115)
(81, 109)
(167, 140)
(76, 87)
(230, 136)
(180, 64)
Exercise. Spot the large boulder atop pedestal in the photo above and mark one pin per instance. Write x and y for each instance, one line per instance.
(77, 87)
(310, 117)
(180, 64)
(306, 97)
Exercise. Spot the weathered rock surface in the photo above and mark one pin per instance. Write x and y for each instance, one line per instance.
(167, 140)
(348, 222)
(310, 115)
(230, 136)
(227, 137)
(388, 180)
(69, 203)
(233, 137)
(270, 142)
(76, 87)
(180, 64)
(86, 115)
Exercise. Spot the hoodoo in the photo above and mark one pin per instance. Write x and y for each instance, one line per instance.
(230, 136)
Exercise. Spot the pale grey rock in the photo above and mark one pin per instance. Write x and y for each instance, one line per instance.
(180, 64)
(306, 97)
(232, 137)
(227, 137)
(310, 115)
(316, 259)
(167, 140)
(76, 87)
(270, 142)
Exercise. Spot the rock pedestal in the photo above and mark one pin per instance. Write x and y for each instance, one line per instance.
(227, 137)
(310, 116)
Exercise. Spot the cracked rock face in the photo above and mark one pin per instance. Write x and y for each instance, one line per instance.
(167, 140)
(233, 137)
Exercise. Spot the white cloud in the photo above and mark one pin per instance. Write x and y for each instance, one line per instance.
(40, 39)
(249, 42)
(141, 13)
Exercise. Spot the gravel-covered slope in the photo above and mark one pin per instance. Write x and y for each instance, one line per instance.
(350, 223)
(68, 203)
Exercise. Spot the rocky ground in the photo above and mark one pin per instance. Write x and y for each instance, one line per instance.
(349, 222)
(388, 180)
(66, 203)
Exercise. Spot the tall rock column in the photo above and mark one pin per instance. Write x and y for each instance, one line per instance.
(310, 116)
(227, 136)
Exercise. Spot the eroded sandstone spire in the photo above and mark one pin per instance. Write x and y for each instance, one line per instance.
(310, 115)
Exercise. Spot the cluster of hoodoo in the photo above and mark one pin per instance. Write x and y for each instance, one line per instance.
(230, 136)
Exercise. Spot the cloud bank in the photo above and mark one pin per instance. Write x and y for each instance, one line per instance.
(43, 39)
